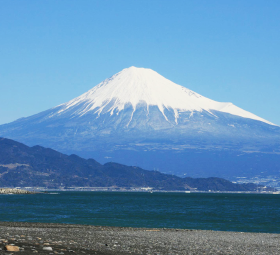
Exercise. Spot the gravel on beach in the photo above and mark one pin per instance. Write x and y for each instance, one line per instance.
(45, 238)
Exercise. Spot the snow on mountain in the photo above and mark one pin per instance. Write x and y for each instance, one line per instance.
(133, 86)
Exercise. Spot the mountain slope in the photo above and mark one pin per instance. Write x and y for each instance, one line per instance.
(36, 166)
(139, 112)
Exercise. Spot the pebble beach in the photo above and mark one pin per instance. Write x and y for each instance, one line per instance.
(45, 238)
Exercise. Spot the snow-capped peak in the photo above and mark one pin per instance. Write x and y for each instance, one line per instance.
(137, 85)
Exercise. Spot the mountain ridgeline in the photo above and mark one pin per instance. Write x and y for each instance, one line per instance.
(22, 166)
(138, 117)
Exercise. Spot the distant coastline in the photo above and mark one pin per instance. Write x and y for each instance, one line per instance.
(36, 190)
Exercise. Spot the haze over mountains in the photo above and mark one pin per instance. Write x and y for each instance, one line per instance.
(138, 117)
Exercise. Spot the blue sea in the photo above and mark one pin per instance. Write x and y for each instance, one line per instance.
(227, 212)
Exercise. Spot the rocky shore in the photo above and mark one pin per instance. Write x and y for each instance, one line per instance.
(42, 238)
(15, 191)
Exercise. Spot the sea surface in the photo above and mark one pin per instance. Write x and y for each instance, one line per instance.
(227, 212)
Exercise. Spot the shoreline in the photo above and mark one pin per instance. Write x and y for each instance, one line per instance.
(35, 190)
(86, 239)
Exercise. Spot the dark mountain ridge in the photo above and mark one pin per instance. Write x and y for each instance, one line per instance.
(22, 166)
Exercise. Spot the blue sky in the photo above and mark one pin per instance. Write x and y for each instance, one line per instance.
(52, 51)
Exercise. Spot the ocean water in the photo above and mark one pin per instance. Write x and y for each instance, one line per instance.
(227, 212)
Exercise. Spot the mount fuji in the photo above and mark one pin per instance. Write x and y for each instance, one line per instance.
(138, 117)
